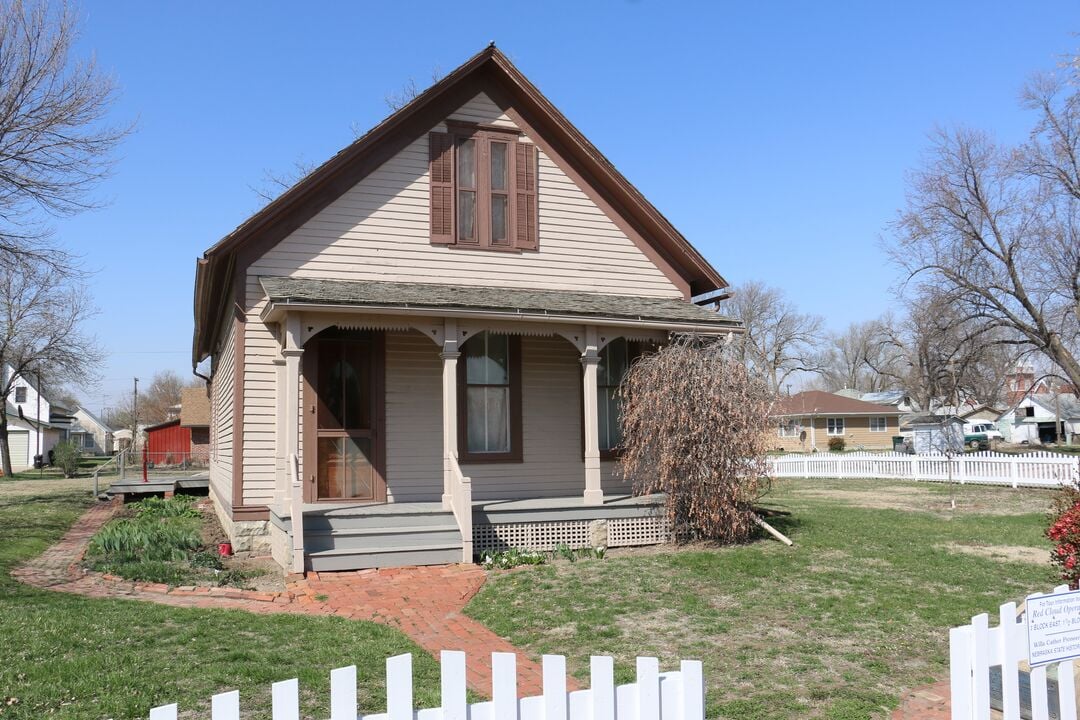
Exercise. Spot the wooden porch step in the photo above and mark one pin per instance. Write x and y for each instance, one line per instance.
(401, 537)
(377, 557)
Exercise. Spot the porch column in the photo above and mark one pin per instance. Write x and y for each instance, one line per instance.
(449, 355)
(590, 359)
(292, 352)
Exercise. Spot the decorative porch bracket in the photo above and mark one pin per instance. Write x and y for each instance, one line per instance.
(590, 360)
(449, 355)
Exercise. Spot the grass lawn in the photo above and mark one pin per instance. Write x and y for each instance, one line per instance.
(836, 627)
(86, 469)
(66, 656)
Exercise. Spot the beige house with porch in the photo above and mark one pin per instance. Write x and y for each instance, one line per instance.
(414, 351)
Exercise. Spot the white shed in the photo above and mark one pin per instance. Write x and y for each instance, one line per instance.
(936, 434)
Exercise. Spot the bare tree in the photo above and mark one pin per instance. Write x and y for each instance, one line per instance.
(54, 143)
(41, 335)
(778, 340)
(856, 358)
(158, 403)
(992, 231)
(696, 426)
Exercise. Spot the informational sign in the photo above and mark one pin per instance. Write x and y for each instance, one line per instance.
(1053, 624)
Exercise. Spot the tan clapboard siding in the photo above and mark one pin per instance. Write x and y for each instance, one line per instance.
(221, 391)
(379, 230)
(413, 418)
(482, 110)
(551, 429)
(260, 402)
(856, 434)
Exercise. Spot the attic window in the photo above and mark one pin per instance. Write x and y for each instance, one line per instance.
(483, 189)
(20, 394)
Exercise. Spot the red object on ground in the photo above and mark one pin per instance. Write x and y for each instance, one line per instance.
(224, 549)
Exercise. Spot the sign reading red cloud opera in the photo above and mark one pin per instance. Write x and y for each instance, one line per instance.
(1053, 624)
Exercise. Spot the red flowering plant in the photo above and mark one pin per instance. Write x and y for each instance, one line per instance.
(1064, 531)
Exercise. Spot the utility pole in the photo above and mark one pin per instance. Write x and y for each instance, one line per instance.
(135, 414)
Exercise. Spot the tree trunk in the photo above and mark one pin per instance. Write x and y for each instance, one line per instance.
(1065, 360)
(5, 450)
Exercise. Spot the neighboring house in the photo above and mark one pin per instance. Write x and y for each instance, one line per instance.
(90, 434)
(893, 398)
(936, 434)
(30, 432)
(809, 419)
(195, 416)
(1033, 419)
(434, 323)
(980, 414)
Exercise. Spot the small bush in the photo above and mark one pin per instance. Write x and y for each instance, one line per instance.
(1064, 532)
(837, 444)
(66, 457)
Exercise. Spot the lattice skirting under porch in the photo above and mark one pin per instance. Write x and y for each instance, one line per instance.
(613, 532)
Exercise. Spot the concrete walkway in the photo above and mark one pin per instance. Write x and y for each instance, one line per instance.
(423, 602)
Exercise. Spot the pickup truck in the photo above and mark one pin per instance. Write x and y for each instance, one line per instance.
(979, 435)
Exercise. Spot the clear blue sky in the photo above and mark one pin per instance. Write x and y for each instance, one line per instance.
(774, 135)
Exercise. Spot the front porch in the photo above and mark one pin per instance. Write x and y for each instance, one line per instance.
(437, 421)
(343, 536)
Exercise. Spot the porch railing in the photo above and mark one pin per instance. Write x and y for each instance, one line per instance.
(461, 504)
(296, 514)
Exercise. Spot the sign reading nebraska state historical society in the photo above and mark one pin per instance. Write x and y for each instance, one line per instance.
(1053, 624)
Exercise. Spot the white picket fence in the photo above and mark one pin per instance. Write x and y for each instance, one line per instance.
(677, 695)
(1037, 469)
(976, 649)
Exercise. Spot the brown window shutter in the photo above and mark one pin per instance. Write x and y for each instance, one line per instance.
(441, 159)
(526, 218)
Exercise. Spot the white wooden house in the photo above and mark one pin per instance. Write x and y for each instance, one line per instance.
(434, 323)
(29, 431)
(1032, 420)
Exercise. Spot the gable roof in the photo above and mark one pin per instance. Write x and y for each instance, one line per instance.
(488, 71)
(94, 418)
(816, 402)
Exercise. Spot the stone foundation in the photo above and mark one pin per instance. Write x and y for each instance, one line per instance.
(246, 536)
(281, 546)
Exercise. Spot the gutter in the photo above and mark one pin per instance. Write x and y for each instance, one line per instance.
(274, 309)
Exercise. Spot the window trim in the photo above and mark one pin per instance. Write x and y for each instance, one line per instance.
(832, 424)
(25, 394)
(484, 135)
(515, 455)
(884, 424)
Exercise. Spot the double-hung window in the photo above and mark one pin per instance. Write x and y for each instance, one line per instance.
(483, 188)
(835, 426)
(489, 404)
(20, 394)
(789, 428)
(879, 424)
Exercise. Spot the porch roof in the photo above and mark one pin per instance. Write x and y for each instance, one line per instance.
(439, 299)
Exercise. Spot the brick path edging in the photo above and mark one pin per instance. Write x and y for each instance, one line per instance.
(423, 602)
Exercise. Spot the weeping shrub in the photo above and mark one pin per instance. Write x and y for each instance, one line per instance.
(696, 426)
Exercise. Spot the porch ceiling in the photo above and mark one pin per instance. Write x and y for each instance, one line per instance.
(455, 300)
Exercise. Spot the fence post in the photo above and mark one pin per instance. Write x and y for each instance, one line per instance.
(693, 689)
(225, 706)
(343, 693)
(648, 688)
(960, 651)
(452, 664)
(555, 700)
(504, 698)
(915, 468)
(399, 687)
(285, 699)
(602, 687)
(1014, 472)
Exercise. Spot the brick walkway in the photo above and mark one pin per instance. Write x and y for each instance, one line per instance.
(925, 703)
(423, 602)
